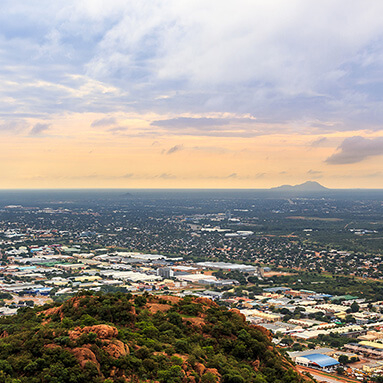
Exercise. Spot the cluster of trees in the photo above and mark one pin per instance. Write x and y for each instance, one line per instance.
(344, 359)
(332, 284)
(165, 346)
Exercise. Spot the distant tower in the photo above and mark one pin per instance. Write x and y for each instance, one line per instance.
(165, 272)
(228, 214)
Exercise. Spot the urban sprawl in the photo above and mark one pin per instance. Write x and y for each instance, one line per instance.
(324, 321)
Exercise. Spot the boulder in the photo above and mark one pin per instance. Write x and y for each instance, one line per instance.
(84, 355)
(199, 368)
(103, 331)
(115, 348)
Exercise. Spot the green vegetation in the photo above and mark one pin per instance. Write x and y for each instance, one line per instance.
(119, 338)
(332, 284)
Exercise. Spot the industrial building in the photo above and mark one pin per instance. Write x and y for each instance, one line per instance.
(320, 361)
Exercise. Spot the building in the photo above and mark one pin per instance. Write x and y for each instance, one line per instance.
(165, 272)
(370, 349)
(320, 361)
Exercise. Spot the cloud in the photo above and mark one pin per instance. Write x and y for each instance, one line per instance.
(209, 149)
(107, 121)
(314, 172)
(319, 142)
(373, 175)
(201, 149)
(175, 149)
(167, 176)
(260, 175)
(13, 126)
(190, 122)
(356, 149)
(117, 129)
(215, 127)
(199, 122)
(38, 129)
(172, 59)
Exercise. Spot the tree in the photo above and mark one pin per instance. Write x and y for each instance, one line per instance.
(343, 359)
(349, 319)
(140, 300)
(288, 341)
(233, 379)
(208, 378)
(354, 307)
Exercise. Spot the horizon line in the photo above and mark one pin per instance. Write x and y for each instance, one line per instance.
(181, 188)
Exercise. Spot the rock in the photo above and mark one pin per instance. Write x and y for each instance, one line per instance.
(199, 368)
(206, 302)
(154, 307)
(103, 331)
(263, 331)
(197, 322)
(256, 365)
(239, 314)
(50, 312)
(115, 348)
(51, 346)
(84, 355)
(113, 372)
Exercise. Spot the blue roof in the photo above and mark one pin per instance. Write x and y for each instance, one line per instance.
(321, 360)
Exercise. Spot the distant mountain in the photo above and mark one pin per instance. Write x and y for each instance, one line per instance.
(309, 186)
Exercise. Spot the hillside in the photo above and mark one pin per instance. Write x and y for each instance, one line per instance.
(124, 338)
(309, 186)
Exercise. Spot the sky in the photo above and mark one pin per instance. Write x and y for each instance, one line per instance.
(191, 93)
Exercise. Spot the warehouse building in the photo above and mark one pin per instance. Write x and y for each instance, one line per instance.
(319, 361)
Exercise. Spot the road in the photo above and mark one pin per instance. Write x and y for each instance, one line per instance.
(323, 377)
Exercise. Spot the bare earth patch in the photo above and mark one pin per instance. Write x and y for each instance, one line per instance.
(155, 307)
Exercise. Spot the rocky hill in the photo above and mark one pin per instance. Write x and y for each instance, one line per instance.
(309, 186)
(124, 338)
